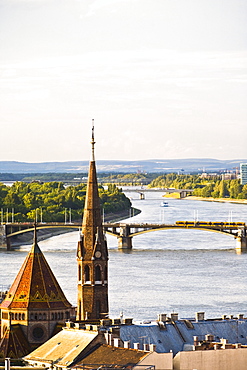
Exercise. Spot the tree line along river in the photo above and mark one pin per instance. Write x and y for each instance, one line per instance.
(182, 271)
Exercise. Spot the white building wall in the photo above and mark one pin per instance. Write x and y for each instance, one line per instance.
(223, 359)
(161, 361)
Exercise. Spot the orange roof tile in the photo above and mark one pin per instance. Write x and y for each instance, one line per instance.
(35, 285)
(14, 343)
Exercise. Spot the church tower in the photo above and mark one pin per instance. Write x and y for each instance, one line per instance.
(92, 254)
(35, 307)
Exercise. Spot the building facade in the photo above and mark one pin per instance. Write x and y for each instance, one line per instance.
(35, 307)
(243, 173)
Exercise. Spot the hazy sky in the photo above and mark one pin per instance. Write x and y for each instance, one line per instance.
(161, 78)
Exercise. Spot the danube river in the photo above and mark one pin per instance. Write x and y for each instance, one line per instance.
(181, 271)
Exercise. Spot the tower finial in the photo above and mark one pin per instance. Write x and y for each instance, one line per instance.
(93, 142)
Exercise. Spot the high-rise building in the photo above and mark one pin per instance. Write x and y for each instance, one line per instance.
(92, 255)
(243, 173)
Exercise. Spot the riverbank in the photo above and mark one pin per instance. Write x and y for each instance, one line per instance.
(221, 200)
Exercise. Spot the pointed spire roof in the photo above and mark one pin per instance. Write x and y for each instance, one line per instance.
(92, 229)
(35, 285)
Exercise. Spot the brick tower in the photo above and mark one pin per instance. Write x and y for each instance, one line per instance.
(92, 254)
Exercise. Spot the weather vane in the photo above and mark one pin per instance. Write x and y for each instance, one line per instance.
(93, 142)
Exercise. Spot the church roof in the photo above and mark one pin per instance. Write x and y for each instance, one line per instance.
(35, 285)
(14, 343)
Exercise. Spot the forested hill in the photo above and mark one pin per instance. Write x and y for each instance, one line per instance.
(152, 165)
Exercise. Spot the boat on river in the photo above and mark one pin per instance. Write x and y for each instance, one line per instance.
(164, 204)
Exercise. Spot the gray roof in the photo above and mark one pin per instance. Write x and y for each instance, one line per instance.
(174, 336)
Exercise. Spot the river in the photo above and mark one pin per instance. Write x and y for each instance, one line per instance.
(183, 271)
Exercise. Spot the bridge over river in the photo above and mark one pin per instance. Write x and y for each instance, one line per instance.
(124, 232)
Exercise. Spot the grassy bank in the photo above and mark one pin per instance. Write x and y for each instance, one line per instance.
(221, 200)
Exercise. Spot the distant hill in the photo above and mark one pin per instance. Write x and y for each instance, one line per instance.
(152, 165)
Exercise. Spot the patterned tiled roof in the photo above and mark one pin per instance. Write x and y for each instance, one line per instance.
(35, 286)
(14, 343)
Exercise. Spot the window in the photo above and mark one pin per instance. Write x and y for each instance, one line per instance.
(87, 273)
(97, 273)
(38, 332)
(79, 272)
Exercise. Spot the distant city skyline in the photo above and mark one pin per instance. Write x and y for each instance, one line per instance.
(161, 79)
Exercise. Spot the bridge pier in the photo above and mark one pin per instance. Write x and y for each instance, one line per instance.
(4, 241)
(241, 241)
(124, 242)
(241, 244)
(124, 238)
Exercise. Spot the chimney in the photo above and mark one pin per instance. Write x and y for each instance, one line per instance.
(196, 341)
(152, 347)
(127, 344)
(145, 347)
(116, 342)
(240, 316)
(116, 321)
(174, 316)
(209, 338)
(136, 345)
(108, 338)
(69, 324)
(200, 316)
(7, 363)
(162, 317)
(223, 341)
(127, 321)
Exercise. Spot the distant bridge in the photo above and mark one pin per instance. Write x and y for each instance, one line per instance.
(183, 193)
(126, 231)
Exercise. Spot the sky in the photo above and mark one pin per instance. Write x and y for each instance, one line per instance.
(162, 79)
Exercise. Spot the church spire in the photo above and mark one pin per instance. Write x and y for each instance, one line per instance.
(93, 142)
(92, 253)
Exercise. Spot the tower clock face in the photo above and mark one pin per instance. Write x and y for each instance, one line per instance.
(97, 254)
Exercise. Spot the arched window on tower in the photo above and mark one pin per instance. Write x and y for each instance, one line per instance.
(98, 274)
(79, 309)
(105, 274)
(79, 272)
(86, 274)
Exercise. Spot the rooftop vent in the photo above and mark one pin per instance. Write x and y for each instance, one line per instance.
(200, 316)
(174, 316)
(162, 317)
